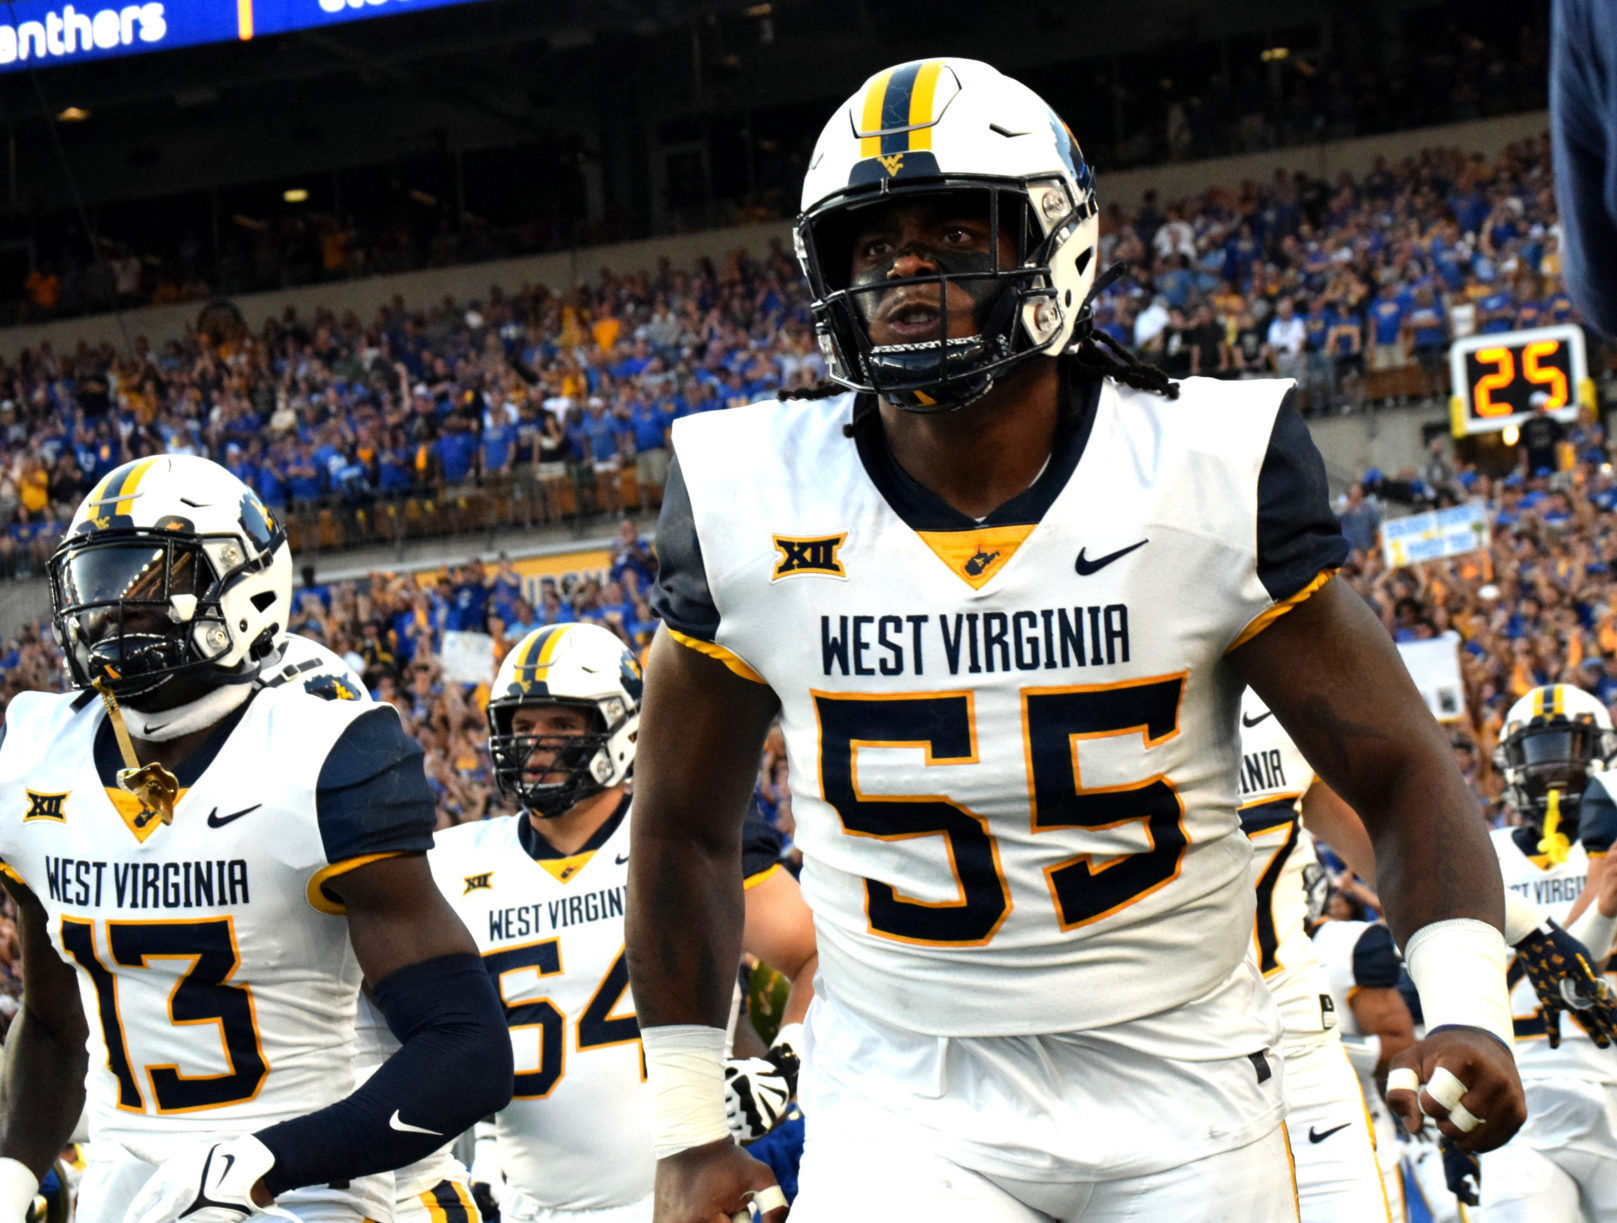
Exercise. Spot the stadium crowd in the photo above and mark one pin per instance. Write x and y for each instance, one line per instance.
(549, 401)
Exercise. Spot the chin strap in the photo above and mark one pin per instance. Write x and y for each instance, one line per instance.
(1554, 842)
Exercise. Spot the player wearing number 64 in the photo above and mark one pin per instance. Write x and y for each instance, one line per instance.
(1003, 589)
(204, 863)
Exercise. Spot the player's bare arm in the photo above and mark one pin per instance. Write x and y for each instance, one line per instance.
(1377, 745)
(702, 733)
(779, 930)
(1383, 1014)
(42, 1091)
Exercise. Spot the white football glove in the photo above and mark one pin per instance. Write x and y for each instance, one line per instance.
(758, 1091)
(488, 1182)
(204, 1183)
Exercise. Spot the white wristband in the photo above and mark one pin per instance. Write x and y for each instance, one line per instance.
(1521, 918)
(1458, 967)
(685, 1069)
(18, 1187)
(1595, 931)
(791, 1035)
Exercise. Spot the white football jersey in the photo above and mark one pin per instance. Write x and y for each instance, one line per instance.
(1551, 890)
(577, 1133)
(215, 971)
(1358, 955)
(1274, 778)
(1013, 743)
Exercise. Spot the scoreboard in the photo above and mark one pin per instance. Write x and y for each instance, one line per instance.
(43, 33)
(1498, 378)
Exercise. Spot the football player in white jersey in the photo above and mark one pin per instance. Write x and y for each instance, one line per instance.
(1004, 594)
(1563, 1164)
(1338, 1176)
(1361, 968)
(436, 1189)
(543, 894)
(203, 868)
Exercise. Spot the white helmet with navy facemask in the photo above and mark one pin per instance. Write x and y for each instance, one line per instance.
(1554, 739)
(173, 579)
(958, 129)
(577, 665)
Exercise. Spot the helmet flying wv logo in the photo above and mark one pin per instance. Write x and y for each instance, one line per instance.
(892, 162)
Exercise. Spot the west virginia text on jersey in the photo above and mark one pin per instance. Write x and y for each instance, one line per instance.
(1014, 773)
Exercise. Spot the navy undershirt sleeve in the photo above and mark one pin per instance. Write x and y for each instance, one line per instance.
(1298, 535)
(372, 795)
(680, 596)
(1375, 960)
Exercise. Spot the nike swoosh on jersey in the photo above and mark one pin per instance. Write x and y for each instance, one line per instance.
(1246, 721)
(215, 820)
(1315, 1136)
(404, 1127)
(621, 859)
(1083, 568)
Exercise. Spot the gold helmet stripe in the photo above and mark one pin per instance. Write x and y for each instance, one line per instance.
(921, 100)
(870, 118)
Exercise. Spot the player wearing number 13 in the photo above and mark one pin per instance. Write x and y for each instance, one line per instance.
(1004, 594)
(200, 921)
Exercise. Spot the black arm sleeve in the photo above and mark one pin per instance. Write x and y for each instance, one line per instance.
(1298, 535)
(372, 796)
(680, 595)
(452, 1069)
(1375, 960)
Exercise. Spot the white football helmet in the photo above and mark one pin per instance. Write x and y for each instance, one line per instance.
(582, 665)
(306, 664)
(954, 126)
(171, 567)
(1554, 738)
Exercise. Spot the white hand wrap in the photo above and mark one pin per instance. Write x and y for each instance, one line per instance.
(1446, 1088)
(685, 1069)
(18, 1186)
(1458, 967)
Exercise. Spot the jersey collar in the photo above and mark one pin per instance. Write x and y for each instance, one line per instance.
(540, 850)
(109, 760)
(923, 510)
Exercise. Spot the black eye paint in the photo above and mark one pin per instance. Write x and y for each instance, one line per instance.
(871, 285)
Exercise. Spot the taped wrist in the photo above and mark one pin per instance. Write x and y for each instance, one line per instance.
(453, 1067)
(685, 1069)
(1458, 967)
(1595, 931)
(1521, 918)
(18, 1185)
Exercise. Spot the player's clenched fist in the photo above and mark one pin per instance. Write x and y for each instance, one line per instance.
(716, 1183)
(1465, 1080)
